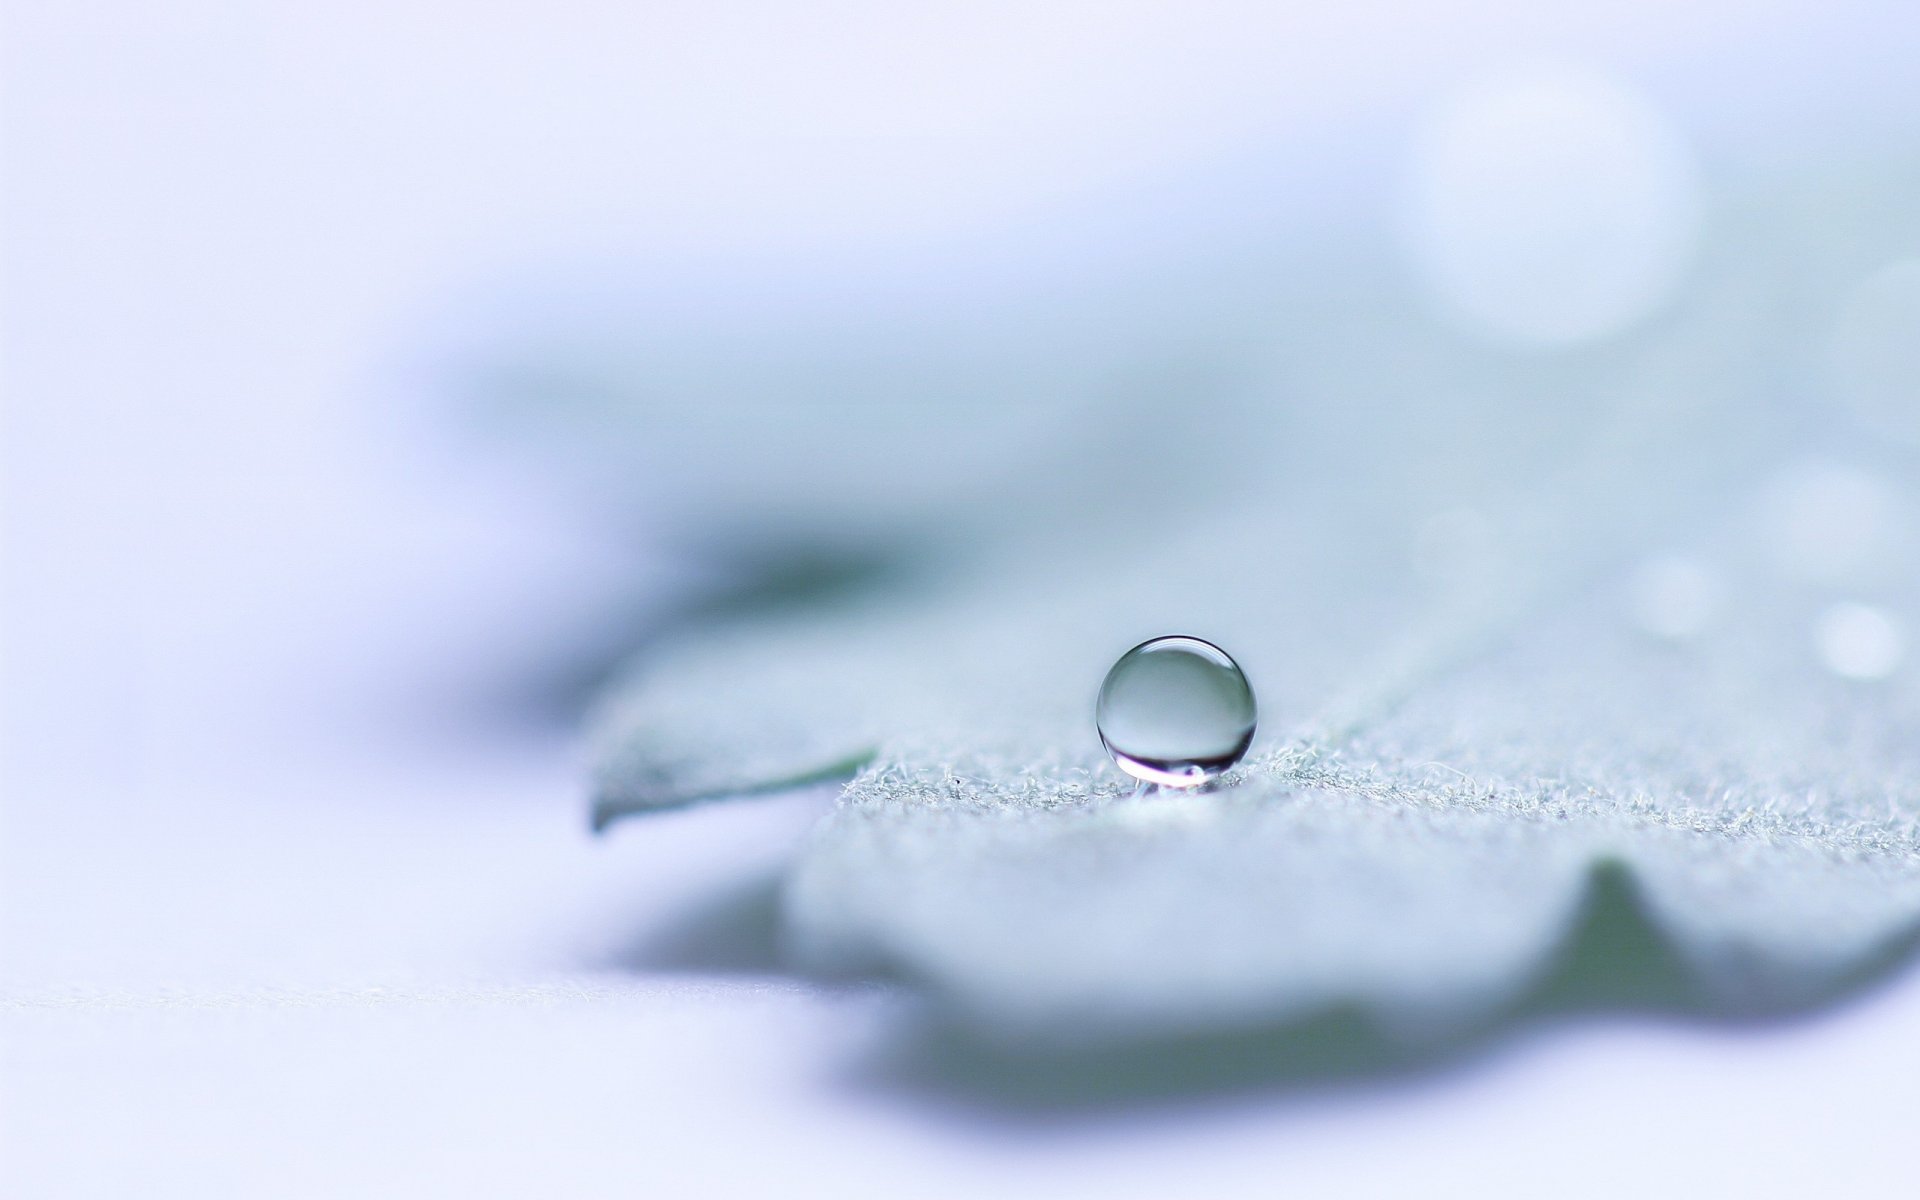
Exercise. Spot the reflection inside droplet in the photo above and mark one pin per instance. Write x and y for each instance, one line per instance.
(1176, 711)
(1858, 641)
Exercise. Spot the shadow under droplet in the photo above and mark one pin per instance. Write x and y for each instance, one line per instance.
(1614, 961)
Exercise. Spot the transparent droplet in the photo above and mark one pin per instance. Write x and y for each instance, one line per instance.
(1176, 711)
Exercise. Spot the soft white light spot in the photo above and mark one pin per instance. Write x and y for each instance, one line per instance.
(1829, 523)
(1875, 350)
(1551, 208)
(1675, 597)
(1857, 641)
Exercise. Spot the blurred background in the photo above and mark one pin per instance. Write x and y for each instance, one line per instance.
(376, 377)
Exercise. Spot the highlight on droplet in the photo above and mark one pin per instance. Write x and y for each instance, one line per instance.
(1176, 711)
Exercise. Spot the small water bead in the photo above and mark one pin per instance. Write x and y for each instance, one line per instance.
(1176, 711)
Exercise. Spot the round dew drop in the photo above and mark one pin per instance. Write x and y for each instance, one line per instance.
(1176, 711)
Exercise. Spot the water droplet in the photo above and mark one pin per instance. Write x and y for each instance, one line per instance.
(1858, 641)
(1176, 711)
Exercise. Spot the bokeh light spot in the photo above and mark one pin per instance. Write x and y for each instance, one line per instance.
(1829, 523)
(1858, 641)
(1550, 208)
(1675, 597)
